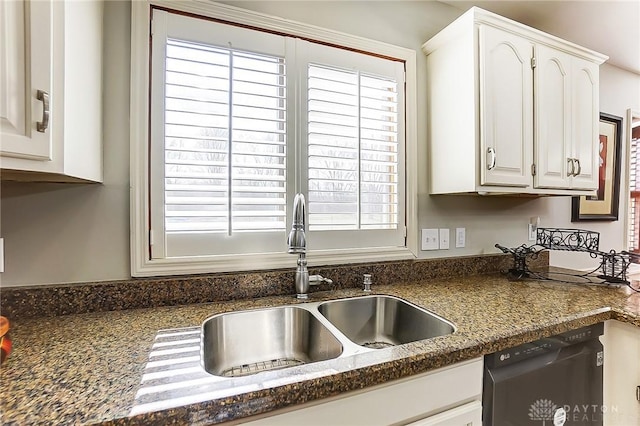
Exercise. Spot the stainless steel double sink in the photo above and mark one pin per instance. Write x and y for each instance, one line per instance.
(246, 342)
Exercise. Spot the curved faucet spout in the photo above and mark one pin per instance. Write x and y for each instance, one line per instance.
(297, 243)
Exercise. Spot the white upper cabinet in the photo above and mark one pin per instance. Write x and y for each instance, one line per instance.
(51, 90)
(510, 110)
(566, 111)
(506, 100)
(585, 119)
(553, 124)
(24, 92)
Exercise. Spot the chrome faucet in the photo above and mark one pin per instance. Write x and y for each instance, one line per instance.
(297, 243)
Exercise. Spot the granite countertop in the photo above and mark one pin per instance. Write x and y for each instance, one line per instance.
(88, 368)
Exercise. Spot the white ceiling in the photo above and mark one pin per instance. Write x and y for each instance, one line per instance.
(611, 27)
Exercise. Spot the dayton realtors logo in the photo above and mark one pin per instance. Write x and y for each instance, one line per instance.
(545, 410)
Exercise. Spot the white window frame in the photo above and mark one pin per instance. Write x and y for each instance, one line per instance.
(631, 116)
(141, 263)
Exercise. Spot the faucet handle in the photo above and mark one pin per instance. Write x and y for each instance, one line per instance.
(319, 279)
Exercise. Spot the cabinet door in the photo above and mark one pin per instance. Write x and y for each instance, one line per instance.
(396, 402)
(552, 105)
(585, 119)
(621, 373)
(506, 108)
(466, 415)
(25, 69)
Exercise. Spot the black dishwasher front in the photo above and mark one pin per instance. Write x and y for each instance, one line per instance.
(553, 381)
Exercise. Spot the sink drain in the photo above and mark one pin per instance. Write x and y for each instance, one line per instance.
(257, 367)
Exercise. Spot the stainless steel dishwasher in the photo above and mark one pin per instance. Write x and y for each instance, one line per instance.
(552, 381)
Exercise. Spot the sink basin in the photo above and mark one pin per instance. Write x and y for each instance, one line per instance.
(247, 342)
(237, 344)
(381, 321)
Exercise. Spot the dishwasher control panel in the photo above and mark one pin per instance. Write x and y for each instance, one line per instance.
(545, 345)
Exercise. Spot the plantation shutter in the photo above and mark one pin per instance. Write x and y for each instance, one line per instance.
(224, 143)
(224, 140)
(634, 187)
(354, 148)
(241, 120)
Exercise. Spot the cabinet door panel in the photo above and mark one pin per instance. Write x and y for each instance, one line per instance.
(398, 402)
(13, 69)
(621, 373)
(553, 118)
(506, 99)
(25, 68)
(585, 123)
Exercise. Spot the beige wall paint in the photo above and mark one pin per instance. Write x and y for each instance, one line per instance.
(58, 233)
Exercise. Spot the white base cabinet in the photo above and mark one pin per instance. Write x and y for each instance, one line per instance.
(510, 110)
(621, 374)
(466, 415)
(448, 396)
(51, 90)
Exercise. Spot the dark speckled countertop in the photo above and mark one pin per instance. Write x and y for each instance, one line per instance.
(87, 368)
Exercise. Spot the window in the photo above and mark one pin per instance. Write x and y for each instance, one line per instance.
(240, 120)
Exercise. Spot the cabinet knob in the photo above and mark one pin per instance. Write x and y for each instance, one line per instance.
(492, 158)
(41, 126)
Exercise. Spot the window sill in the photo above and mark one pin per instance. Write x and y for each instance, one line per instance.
(252, 262)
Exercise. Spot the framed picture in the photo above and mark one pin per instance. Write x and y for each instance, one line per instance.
(604, 205)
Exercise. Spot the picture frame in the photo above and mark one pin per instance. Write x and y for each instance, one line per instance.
(605, 204)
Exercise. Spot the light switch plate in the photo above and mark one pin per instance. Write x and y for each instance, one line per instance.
(460, 237)
(430, 239)
(534, 223)
(444, 238)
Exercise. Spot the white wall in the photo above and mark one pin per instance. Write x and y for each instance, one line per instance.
(76, 233)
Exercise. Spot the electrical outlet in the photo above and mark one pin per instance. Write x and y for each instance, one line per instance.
(444, 239)
(430, 239)
(460, 237)
(532, 229)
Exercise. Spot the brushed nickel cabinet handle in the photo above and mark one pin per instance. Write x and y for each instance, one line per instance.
(573, 167)
(579, 167)
(492, 162)
(41, 126)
